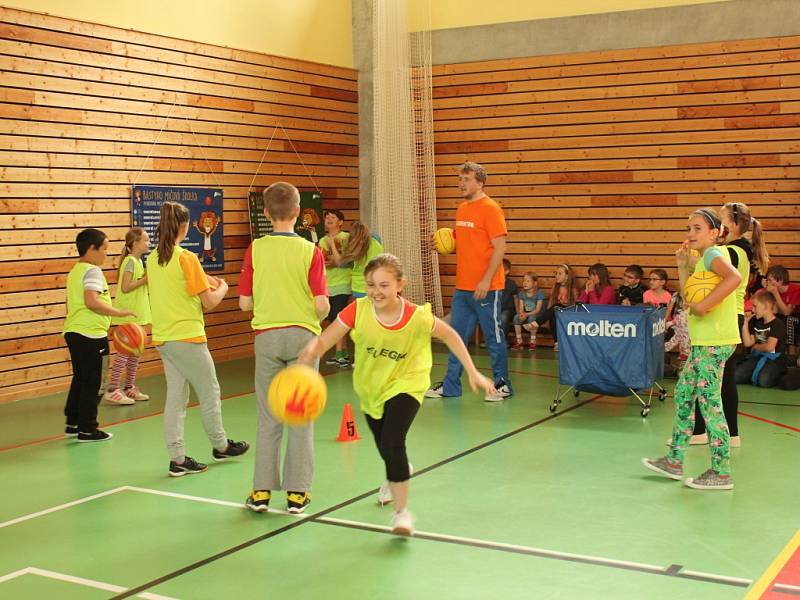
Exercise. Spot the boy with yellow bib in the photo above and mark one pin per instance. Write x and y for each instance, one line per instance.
(392, 371)
(283, 283)
(89, 313)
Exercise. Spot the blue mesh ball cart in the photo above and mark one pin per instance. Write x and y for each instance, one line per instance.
(611, 350)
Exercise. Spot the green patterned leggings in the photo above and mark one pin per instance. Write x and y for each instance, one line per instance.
(701, 381)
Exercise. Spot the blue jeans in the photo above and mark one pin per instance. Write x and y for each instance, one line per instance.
(466, 314)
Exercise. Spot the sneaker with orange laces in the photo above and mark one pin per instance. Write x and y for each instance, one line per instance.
(117, 397)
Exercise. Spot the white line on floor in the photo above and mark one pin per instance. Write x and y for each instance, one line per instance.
(202, 499)
(108, 587)
(47, 511)
(433, 536)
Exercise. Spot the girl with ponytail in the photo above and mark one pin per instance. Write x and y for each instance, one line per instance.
(131, 295)
(744, 241)
(179, 291)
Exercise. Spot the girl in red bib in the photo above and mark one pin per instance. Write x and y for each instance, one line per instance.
(392, 369)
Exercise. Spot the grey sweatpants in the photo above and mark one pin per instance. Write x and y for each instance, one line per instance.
(188, 364)
(275, 349)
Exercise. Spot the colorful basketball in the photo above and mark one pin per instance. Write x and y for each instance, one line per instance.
(699, 285)
(297, 395)
(129, 338)
(444, 240)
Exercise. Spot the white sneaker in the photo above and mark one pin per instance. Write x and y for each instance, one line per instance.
(117, 397)
(436, 391)
(385, 493)
(403, 523)
(136, 394)
(503, 392)
(701, 439)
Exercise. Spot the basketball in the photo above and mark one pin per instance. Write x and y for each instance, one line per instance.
(444, 241)
(297, 395)
(129, 339)
(699, 285)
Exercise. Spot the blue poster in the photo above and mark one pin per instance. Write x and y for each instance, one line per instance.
(205, 237)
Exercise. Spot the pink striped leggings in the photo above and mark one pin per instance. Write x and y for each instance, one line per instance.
(127, 364)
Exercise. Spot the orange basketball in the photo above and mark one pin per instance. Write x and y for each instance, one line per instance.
(297, 395)
(444, 241)
(699, 285)
(129, 338)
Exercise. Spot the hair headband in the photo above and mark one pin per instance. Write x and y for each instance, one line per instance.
(712, 219)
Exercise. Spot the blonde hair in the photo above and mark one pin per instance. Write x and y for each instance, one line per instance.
(569, 283)
(173, 215)
(358, 242)
(134, 235)
(746, 223)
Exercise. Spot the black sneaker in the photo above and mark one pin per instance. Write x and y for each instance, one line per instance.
(189, 466)
(297, 501)
(233, 449)
(95, 436)
(71, 431)
(258, 500)
(333, 361)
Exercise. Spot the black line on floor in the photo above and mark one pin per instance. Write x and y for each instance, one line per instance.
(201, 563)
(671, 571)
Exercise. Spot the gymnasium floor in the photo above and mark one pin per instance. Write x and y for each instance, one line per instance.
(511, 502)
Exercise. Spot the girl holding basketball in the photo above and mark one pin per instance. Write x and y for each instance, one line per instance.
(714, 335)
(179, 290)
(131, 295)
(392, 370)
(744, 243)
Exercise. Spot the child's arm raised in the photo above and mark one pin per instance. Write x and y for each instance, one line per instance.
(448, 335)
(211, 298)
(317, 347)
(730, 281)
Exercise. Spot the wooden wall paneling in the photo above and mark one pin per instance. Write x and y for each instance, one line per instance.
(80, 108)
(601, 156)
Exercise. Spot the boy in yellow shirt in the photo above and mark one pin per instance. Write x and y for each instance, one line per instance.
(283, 283)
(89, 313)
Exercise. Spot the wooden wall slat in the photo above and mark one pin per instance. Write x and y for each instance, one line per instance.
(104, 39)
(81, 106)
(601, 156)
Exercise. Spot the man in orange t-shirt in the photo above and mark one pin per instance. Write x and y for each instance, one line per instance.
(480, 244)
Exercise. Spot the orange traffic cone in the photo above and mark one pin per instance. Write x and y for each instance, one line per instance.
(347, 430)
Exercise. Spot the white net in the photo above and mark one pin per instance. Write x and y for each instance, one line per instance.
(404, 205)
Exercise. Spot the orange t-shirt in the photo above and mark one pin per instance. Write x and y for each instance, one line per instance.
(478, 222)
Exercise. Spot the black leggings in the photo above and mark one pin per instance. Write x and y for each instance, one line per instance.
(549, 316)
(89, 358)
(390, 434)
(730, 397)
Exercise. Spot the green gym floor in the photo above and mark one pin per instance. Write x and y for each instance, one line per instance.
(511, 502)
